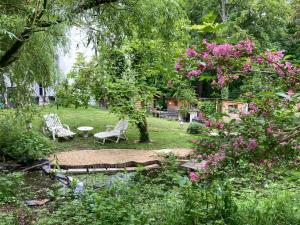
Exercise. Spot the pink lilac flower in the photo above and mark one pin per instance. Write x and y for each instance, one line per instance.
(191, 52)
(194, 73)
(208, 123)
(289, 67)
(252, 144)
(205, 55)
(239, 142)
(194, 177)
(290, 92)
(222, 50)
(259, 59)
(237, 54)
(274, 56)
(204, 165)
(209, 46)
(247, 68)
(298, 106)
(270, 129)
(279, 70)
(220, 125)
(246, 45)
(253, 107)
(178, 66)
(201, 117)
(221, 78)
(214, 159)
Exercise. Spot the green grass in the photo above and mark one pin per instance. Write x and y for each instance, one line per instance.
(163, 133)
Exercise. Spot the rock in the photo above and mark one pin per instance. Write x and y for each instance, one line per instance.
(37, 202)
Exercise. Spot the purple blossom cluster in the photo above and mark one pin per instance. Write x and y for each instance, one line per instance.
(252, 144)
(214, 159)
(274, 57)
(217, 57)
(209, 123)
(240, 143)
(245, 45)
(227, 50)
(194, 177)
(191, 52)
(253, 108)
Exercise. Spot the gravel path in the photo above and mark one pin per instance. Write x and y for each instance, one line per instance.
(115, 156)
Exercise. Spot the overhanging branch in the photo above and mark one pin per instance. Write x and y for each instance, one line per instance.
(35, 21)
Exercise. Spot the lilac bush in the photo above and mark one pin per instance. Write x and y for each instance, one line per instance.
(270, 129)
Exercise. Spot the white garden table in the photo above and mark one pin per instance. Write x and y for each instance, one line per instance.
(85, 130)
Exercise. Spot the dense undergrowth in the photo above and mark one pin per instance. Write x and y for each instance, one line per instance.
(168, 197)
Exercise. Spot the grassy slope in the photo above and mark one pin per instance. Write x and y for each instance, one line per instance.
(163, 133)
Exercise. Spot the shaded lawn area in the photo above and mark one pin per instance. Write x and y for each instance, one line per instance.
(163, 133)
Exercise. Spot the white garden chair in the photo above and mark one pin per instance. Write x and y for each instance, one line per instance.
(56, 128)
(117, 131)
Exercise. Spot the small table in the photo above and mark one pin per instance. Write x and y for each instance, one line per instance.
(85, 130)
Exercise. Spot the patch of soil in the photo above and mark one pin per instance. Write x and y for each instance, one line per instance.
(115, 156)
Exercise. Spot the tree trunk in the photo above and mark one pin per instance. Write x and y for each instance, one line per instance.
(143, 129)
(223, 11)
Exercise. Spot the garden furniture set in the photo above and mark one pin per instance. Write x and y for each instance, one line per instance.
(54, 127)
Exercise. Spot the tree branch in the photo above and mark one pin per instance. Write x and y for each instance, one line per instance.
(34, 20)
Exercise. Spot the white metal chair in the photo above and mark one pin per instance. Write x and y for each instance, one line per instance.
(113, 132)
(54, 126)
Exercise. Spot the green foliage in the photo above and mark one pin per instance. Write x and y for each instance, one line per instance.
(278, 208)
(162, 201)
(266, 21)
(207, 107)
(86, 82)
(169, 197)
(28, 146)
(9, 186)
(8, 218)
(10, 128)
(19, 143)
(194, 128)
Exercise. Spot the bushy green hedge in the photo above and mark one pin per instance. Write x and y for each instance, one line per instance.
(194, 128)
(28, 146)
(19, 143)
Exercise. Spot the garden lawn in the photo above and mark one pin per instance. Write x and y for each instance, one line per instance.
(163, 133)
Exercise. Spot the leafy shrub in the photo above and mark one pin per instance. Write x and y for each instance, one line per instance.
(9, 184)
(19, 143)
(10, 128)
(29, 146)
(281, 207)
(6, 218)
(207, 107)
(194, 128)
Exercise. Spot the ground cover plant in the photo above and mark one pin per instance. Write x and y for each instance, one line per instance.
(168, 197)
